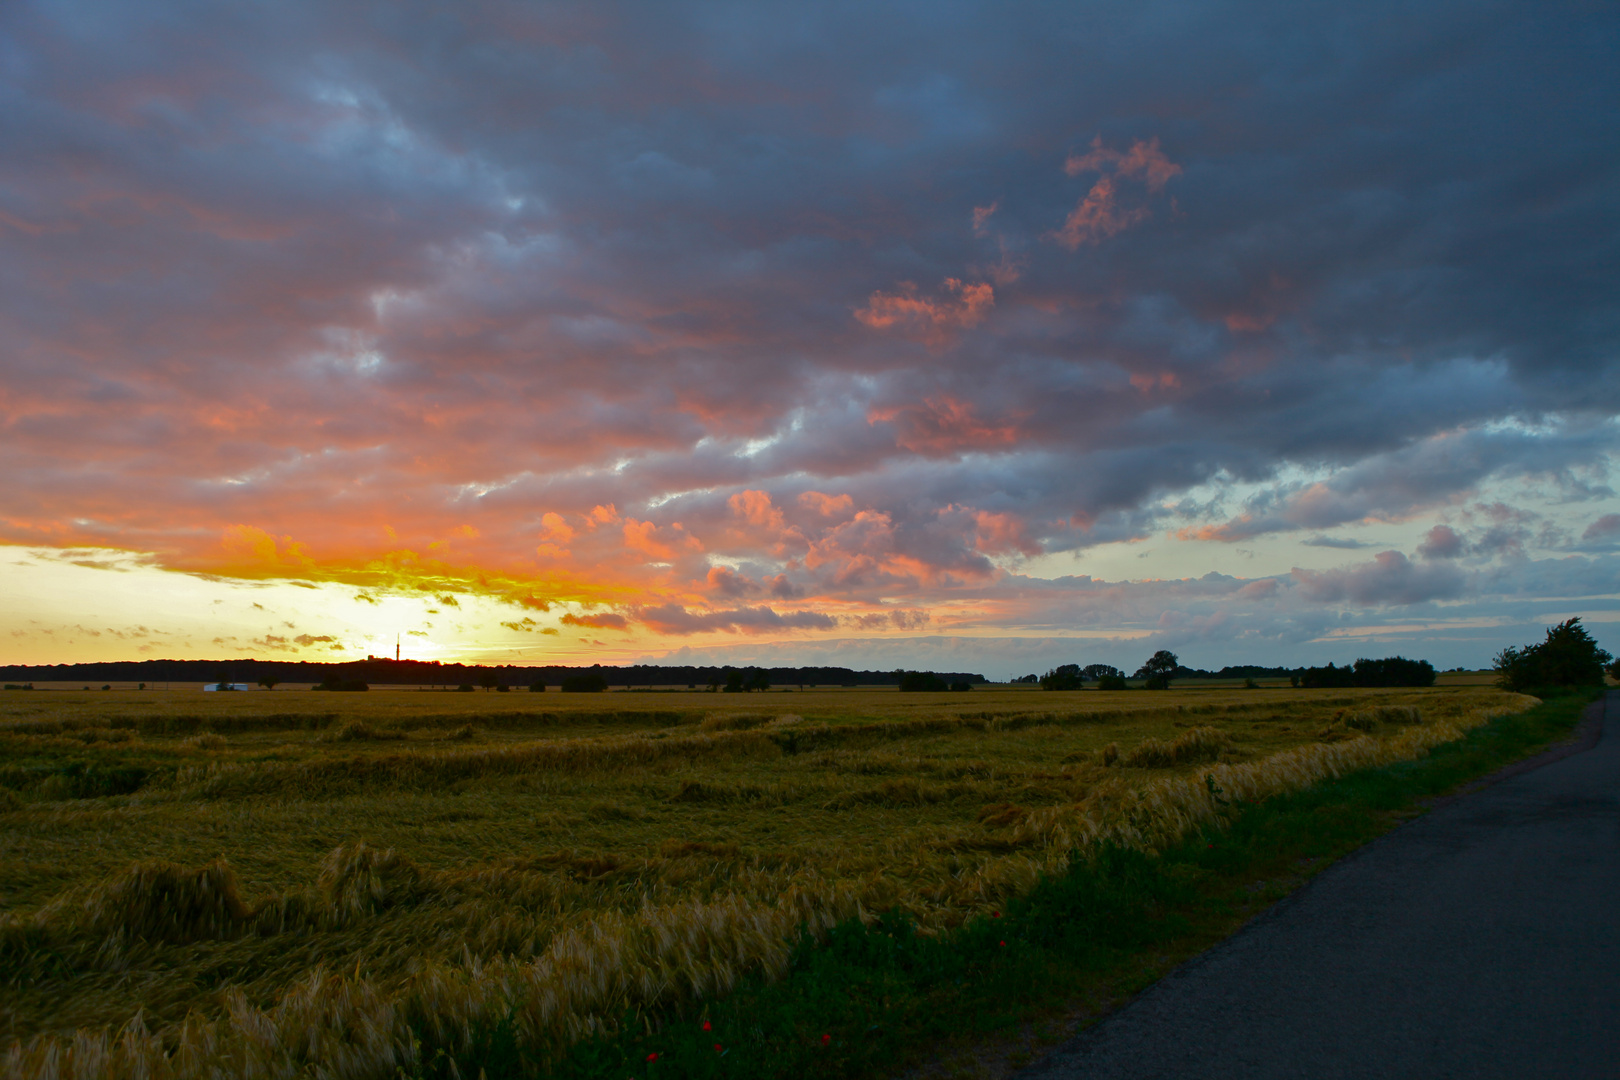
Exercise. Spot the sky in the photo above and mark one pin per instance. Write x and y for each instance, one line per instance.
(967, 336)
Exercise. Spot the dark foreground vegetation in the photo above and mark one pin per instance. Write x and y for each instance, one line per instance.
(872, 1000)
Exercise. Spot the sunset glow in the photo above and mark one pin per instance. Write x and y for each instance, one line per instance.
(982, 339)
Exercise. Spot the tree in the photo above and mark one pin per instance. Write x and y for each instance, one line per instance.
(920, 681)
(488, 681)
(1094, 672)
(1158, 670)
(538, 686)
(1063, 677)
(268, 682)
(584, 682)
(1569, 657)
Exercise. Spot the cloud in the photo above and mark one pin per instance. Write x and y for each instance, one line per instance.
(623, 299)
(1100, 215)
(1604, 528)
(943, 425)
(675, 619)
(604, 621)
(962, 307)
(1343, 542)
(1390, 578)
(1441, 542)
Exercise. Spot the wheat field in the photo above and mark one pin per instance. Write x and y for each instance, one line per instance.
(286, 883)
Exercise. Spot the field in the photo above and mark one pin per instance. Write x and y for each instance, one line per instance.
(258, 882)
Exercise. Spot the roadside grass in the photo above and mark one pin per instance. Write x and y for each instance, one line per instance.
(873, 1000)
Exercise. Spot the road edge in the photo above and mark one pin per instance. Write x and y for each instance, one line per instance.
(1588, 731)
(1585, 736)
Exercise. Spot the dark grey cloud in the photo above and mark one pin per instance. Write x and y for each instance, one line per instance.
(1342, 542)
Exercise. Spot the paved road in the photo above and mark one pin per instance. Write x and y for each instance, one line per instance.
(1481, 940)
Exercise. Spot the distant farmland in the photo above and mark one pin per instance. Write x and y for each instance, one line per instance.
(275, 879)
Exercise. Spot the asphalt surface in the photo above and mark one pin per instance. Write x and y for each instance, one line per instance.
(1480, 940)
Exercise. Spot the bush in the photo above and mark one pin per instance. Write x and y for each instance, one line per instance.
(584, 682)
(1569, 657)
(538, 686)
(465, 688)
(1112, 682)
(961, 686)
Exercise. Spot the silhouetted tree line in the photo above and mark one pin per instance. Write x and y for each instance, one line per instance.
(388, 672)
(1163, 667)
(929, 681)
(1390, 671)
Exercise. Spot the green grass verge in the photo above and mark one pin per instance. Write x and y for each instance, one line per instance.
(870, 1000)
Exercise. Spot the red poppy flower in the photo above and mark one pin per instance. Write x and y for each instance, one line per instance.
(652, 1057)
(706, 1025)
(717, 1048)
(995, 914)
(1003, 944)
(825, 1039)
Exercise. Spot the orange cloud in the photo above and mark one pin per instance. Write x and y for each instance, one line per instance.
(942, 425)
(999, 534)
(1100, 215)
(247, 547)
(755, 508)
(554, 529)
(826, 505)
(964, 307)
(644, 536)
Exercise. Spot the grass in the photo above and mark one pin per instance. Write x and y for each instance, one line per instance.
(268, 880)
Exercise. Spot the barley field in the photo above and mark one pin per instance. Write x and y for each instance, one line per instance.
(285, 883)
